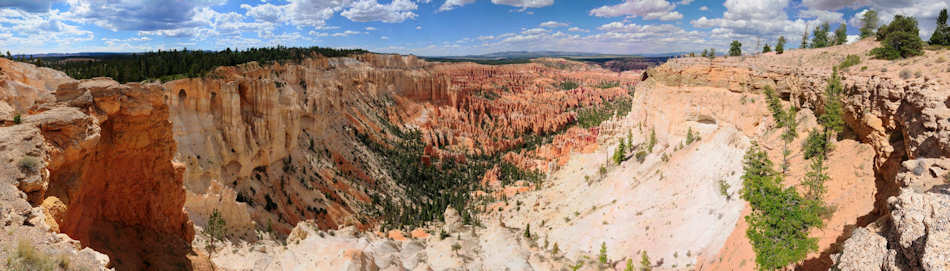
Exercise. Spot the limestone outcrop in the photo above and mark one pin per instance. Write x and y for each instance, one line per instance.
(101, 167)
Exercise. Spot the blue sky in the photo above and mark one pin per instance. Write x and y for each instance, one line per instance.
(430, 27)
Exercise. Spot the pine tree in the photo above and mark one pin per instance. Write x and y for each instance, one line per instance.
(766, 49)
(527, 232)
(735, 48)
(712, 53)
(841, 34)
(620, 153)
(820, 36)
(603, 253)
(869, 23)
(214, 230)
(831, 118)
(789, 135)
(705, 52)
(780, 219)
(780, 45)
(645, 264)
(941, 35)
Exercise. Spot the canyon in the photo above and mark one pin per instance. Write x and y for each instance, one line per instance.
(389, 162)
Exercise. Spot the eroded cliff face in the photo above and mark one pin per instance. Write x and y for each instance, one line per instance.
(272, 145)
(903, 119)
(102, 171)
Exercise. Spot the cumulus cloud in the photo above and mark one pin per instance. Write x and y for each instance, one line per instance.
(452, 4)
(685, 2)
(704, 8)
(577, 29)
(553, 24)
(137, 15)
(27, 5)
(925, 11)
(346, 33)
(648, 9)
(524, 3)
(822, 15)
(372, 11)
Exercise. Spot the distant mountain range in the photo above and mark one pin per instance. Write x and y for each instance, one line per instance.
(537, 54)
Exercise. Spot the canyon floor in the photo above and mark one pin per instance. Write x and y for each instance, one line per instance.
(306, 163)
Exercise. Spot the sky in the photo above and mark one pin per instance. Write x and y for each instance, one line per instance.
(432, 27)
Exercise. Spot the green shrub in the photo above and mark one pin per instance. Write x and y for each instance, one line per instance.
(568, 85)
(608, 84)
(603, 253)
(29, 163)
(17, 119)
(691, 137)
(641, 156)
(724, 189)
(27, 257)
(849, 61)
(900, 39)
(905, 74)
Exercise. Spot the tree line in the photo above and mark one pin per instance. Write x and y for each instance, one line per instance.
(174, 64)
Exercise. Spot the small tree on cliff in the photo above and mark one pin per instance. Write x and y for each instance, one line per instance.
(820, 36)
(780, 219)
(841, 34)
(869, 23)
(766, 49)
(735, 48)
(780, 45)
(214, 230)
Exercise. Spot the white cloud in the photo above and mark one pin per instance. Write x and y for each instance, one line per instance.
(418, 27)
(370, 28)
(27, 5)
(685, 2)
(648, 9)
(489, 37)
(577, 29)
(384, 38)
(704, 8)
(371, 11)
(822, 15)
(524, 3)
(317, 34)
(137, 15)
(346, 33)
(553, 24)
(452, 4)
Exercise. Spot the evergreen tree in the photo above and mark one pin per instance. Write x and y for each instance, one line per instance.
(712, 53)
(869, 23)
(214, 230)
(527, 232)
(766, 49)
(603, 253)
(941, 35)
(831, 118)
(780, 45)
(645, 264)
(820, 36)
(620, 153)
(841, 34)
(789, 135)
(735, 48)
(704, 53)
(780, 219)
